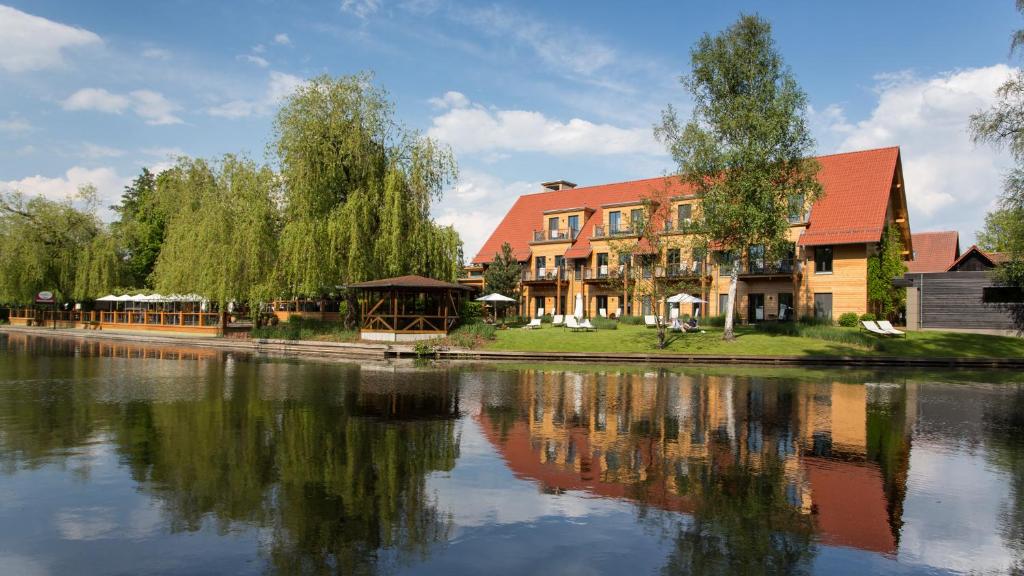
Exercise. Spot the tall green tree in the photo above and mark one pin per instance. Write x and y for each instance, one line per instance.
(746, 150)
(886, 299)
(139, 228)
(1002, 126)
(358, 188)
(53, 245)
(503, 274)
(221, 242)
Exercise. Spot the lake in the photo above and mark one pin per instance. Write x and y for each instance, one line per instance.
(116, 458)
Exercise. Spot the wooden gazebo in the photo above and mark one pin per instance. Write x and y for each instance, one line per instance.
(408, 308)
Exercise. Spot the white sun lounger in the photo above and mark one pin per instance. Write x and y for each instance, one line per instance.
(557, 320)
(870, 326)
(888, 328)
(651, 321)
(535, 323)
(603, 313)
(572, 324)
(587, 326)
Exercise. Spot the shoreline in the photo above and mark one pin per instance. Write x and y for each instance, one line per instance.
(384, 352)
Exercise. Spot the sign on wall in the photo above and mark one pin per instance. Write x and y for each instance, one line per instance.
(45, 297)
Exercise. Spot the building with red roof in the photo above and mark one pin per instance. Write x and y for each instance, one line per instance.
(934, 251)
(566, 237)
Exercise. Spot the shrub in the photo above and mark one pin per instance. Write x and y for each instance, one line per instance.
(471, 311)
(546, 319)
(423, 348)
(848, 319)
(820, 331)
(869, 317)
(630, 320)
(811, 320)
(471, 335)
(298, 328)
(604, 323)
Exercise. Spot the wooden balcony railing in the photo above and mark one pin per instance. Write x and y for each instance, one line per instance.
(130, 318)
(763, 268)
(545, 274)
(552, 235)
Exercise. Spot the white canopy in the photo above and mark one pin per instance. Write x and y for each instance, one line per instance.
(683, 298)
(495, 297)
(107, 298)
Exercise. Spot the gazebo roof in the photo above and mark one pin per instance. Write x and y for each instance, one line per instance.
(412, 282)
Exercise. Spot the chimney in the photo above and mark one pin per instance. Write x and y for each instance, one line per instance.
(558, 185)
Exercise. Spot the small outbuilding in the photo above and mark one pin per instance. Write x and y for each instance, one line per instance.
(408, 308)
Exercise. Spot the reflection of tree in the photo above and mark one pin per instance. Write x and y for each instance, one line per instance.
(334, 470)
(888, 444)
(742, 524)
(1004, 426)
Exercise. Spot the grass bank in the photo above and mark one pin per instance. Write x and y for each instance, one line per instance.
(835, 341)
(297, 328)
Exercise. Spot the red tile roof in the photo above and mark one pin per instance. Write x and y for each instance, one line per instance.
(934, 251)
(852, 209)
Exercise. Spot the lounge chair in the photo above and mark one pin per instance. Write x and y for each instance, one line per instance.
(870, 326)
(651, 321)
(673, 314)
(887, 326)
(602, 312)
(587, 326)
(557, 320)
(540, 312)
(572, 324)
(618, 312)
(535, 323)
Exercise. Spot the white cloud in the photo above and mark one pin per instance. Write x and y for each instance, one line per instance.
(950, 182)
(279, 87)
(156, 54)
(95, 151)
(563, 48)
(29, 42)
(166, 152)
(282, 39)
(97, 99)
(476, 204)
(151, 106)
(360, 8)
(472, 129)
(107, 181)
(15, 126)
(450, 99)
(257, 60)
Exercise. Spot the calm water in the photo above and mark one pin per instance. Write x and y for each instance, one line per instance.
(118, 459)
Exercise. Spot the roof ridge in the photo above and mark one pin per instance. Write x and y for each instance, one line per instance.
(879, 149)
(538, 193)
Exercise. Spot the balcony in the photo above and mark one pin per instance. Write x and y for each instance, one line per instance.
(784, 267)
(545, 275)
(672, 226)
(682, 270)
(603, 231)
(552, 235)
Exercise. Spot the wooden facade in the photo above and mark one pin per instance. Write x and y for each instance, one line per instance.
(954, 301)
(408, 308)
(187, 322)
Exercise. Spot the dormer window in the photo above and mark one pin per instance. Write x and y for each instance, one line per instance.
(684, 212)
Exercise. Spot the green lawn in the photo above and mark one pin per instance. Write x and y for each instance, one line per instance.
(750, 342)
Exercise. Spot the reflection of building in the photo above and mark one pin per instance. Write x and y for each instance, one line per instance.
(840, 450)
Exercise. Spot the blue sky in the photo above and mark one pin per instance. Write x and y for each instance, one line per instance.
(91, 92)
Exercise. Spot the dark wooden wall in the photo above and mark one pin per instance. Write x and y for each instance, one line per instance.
(953, 300)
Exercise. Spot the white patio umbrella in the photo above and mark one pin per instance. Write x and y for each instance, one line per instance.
(494, 298)
(683, 298)
(107, 298)
(578, 312)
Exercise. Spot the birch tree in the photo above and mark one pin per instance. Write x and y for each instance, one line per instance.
(746, 149)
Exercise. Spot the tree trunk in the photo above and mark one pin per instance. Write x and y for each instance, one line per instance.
(350, 309)
(734, 277)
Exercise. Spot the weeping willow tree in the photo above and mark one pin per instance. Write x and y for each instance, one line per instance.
(60, 246)
(358, 188)
(221, 234)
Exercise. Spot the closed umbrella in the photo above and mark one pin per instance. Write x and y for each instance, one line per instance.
(578, 312)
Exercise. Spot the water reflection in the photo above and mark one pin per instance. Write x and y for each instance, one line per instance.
(205, 461)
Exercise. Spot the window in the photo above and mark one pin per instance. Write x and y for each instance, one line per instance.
(699, 254)
(645, 306)
(672, 261)
(683, 213)
(540, 263)
(636, 219)
(796, 209)
(823, 305)
(602, 304)
(553, 223)
(602, 264)
(723, 304)
(560, 262)
(614, 219)
(574, 225)
(786, 310)
(755, 258)
(823, 260)
(538, 305)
